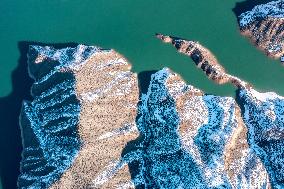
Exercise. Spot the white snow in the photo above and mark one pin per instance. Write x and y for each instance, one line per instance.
(107, 174)
(273, 9)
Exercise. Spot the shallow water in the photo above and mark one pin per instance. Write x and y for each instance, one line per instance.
(129, 26)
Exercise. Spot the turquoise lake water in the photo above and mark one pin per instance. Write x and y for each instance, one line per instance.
(128, 26)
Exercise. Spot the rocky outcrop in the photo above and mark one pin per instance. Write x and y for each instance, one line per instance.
(89, 126)
(264, 25)
(262, 117)
(82, 115)
(192, 140)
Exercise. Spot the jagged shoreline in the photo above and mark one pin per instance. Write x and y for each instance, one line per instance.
(172, 135)
(258, 108)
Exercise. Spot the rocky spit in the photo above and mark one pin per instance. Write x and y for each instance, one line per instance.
(204, 59)
(264, 26)
(89, 125)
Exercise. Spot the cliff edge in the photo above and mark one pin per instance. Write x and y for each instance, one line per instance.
(84, 105)
(90, 126)
(263, 25)
(262, 112)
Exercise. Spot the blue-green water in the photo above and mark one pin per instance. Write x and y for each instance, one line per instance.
(128, 26)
